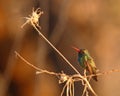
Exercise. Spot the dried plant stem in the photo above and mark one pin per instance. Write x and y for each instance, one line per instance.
(63, 89)
(104, 73)
(85, 86)
(38, 69)
(55, 49)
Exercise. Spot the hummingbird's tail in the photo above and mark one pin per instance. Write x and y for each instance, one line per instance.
(94, 72)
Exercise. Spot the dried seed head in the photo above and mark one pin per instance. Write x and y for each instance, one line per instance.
(34, 18)
(63, 78)
(36, 15)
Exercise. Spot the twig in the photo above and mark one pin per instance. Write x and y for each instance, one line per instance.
(36, 68)
(104, 73)
(63, 77)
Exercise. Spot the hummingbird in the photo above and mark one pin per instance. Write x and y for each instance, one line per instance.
(86, 61)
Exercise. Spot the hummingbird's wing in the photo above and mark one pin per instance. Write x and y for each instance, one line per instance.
(89, 59)
(90, 65)
(92, 69)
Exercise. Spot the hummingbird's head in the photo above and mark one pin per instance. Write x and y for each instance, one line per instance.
(79, 50)
(84, 50)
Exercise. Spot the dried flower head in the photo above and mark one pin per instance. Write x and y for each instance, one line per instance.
(34, 18)
(63, 78)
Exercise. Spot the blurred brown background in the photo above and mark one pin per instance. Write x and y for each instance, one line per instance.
(90, 24)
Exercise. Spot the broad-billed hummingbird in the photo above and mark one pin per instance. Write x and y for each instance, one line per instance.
(86, 61)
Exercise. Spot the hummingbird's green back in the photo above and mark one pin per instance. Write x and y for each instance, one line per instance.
(89, 59)
(87, 62)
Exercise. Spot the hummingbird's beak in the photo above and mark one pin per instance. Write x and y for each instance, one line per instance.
(76, 49)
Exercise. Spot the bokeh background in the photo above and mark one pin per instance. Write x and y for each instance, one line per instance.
(89, 24)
